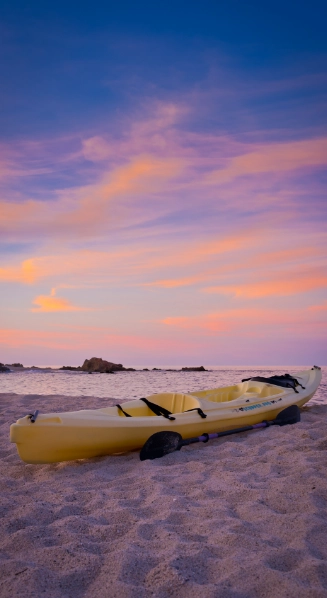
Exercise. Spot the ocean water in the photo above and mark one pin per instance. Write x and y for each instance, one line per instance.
(132, 385)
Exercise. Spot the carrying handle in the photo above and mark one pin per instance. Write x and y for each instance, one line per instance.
(33, 416)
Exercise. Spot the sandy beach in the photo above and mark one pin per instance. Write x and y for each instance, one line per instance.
(240, 517)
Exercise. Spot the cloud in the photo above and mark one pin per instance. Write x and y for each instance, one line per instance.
(243, 264)
(156, 167)
(174, 282)
(87, 210)
(26, 273)
(51, 303)
(250, 323)
(154, 135)
(97, 149)
(289, 283)
(211, 323)
(319, 308)
(150, 256)
(89, 340)
(273, 158)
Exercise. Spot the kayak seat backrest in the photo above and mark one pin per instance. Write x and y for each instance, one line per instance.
(219, 395)
(175, 402)
(255, 390)
(269, 390)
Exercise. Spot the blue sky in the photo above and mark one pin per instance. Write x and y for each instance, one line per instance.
(64, 63)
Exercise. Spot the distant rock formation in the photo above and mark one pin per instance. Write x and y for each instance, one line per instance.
(15, 365)
(96, 364)
(101, 366)
(195, 369)
(3, 368)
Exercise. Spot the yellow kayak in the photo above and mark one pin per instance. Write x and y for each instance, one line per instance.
(54, 437)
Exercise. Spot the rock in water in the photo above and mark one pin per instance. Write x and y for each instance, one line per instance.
(96, 364)
(195, 369)
(3, 368)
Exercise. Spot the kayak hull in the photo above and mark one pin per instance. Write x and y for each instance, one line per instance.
(85, 434)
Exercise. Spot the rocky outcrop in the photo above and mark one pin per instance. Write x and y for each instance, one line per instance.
(3, 369)
(96, 364)
(195, 369)
(101, 366)
(15, 365)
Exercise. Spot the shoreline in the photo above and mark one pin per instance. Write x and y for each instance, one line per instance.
(79, 370)
(240, 516)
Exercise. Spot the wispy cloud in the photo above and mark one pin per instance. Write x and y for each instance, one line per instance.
(290, 283)
(99, 339)
(91, 209)
(251, 323)
(155, 168)
(275, 158)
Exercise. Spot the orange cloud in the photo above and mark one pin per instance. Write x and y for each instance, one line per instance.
(50, 303)
(203, 253)
(286, 285)
(25, 273)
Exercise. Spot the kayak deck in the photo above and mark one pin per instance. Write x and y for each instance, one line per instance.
(55, 437)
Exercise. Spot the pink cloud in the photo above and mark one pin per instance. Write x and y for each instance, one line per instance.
(153, 167)
(88, 339)
(240, 264)
(287, 283)
(89, 209)
(273, 158)
(97, 149)
(134, 262)
(319, 308)
(248, 323)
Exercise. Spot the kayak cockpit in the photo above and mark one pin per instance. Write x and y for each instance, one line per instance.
(244, 390)
(181, 403)
(173, 402)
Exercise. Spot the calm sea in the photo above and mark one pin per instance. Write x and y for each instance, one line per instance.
(131, 385)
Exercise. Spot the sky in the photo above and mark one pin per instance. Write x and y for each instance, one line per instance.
(163, 182)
